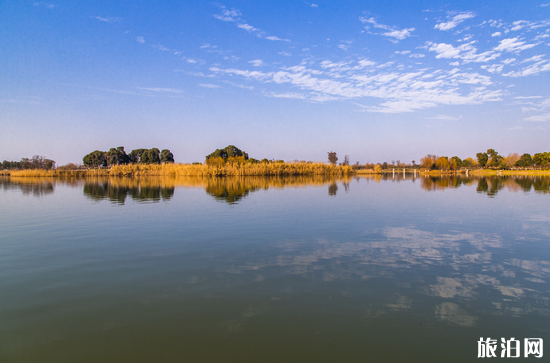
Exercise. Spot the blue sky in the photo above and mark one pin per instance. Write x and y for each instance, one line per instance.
(377, 80)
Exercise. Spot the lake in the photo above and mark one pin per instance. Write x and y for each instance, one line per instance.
(251, 269)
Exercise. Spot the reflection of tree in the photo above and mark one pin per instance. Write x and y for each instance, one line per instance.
(117, 192)
(36, 187)
(540, 185)
(488, 185)
(230, 191)
(332, 189)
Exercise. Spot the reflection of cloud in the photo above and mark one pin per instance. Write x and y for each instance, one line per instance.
(455, 314)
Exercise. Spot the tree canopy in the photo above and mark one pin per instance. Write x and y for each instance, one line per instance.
(229, 151)
(118, 156)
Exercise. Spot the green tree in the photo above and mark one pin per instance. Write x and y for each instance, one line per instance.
(525, 160)
(166, 156)
(227, 152)
(482, 159)
(153, 156)
(442, 163)
(95, 159)
(495, 158)
(135, 156)
(455, 162)
(332, 158)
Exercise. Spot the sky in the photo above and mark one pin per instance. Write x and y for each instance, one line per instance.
(291, 80)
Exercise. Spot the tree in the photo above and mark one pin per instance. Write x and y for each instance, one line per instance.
(455, 162)
(468, 162)
(153, 156)
(332, 158)
(228, 151)
(135, 155)
(95, 159)
(428, 161)
(442, 163)
(346, 160)
(525, 160)
(482, 159)
(495, 158)
(166, 156)
(511, 160)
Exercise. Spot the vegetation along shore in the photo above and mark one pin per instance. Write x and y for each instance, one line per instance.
(231, 161)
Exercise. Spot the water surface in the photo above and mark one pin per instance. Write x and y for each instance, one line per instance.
(304, 269)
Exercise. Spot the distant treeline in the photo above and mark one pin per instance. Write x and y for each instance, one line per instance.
(36, 162)
(118, 156)
(489, 159)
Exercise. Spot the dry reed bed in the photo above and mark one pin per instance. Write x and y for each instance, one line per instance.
(196, 170)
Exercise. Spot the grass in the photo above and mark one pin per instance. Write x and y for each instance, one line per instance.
(235, 169)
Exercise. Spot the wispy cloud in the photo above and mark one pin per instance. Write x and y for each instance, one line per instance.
(398, 91)
(444, 118)
(542, 66)
(208, 85)
(140, 40)
(454, 20)
(156, 89)
(256, 63)
(513, 45)
(391, 31)
(106, 20)
(526, 97)
(466, 52)
(539, 118)
(44, 4)
(235, 16)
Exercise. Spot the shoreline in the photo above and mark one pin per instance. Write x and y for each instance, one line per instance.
(275, 169)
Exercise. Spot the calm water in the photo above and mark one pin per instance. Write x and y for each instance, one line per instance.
(271, 269)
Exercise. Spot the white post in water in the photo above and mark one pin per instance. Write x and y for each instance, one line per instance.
(393, 173)
(403, 173)
(415, 173)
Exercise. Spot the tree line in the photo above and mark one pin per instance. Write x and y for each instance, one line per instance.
(36, 162)
(117, 156)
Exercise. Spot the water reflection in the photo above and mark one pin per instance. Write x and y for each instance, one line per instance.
(233, 190)
(116, 190)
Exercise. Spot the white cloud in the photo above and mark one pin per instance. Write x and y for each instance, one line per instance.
(227, 15)
(106, 20)
(403, 52)
(208, 85)
(542, 66)
(257, 63)
(454, 21)
(417, 55)
(286, 54)
(444, 118)
(527, 97)
(535, 58)
(542, 36)
(247, 27)
(509, 60)
(140, 40)
(466, 52)
(314, 5)
(392, 32)
(539, 118)
(396, 91)
(496, 34)
(156, 89)
(544, 5)
(515, 128)
(273, 37)
(44, 4)
(494, 68)
(399, 34)
(190, 60)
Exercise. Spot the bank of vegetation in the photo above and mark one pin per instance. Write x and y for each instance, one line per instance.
(231, 161)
